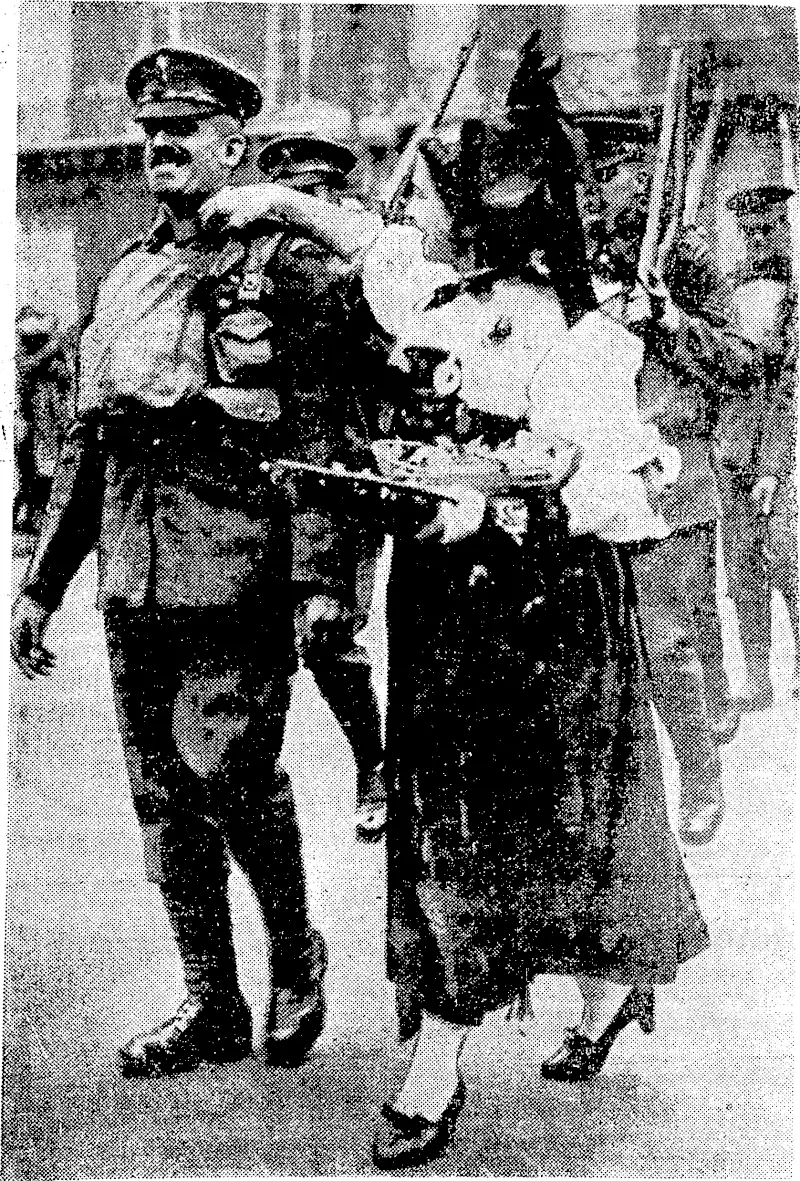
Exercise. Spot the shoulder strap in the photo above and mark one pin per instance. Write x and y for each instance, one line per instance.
(260, 253)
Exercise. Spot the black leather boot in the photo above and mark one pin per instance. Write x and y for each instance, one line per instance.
(203, 1030)
(370, 818)
(267, 845)
(296, 1012)
(213, 1024)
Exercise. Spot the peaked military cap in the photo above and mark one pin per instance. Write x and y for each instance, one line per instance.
(299, 160)
(756, 200)
(175, 83)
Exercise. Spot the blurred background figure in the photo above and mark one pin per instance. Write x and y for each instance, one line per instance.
(756, 435)
(42, 412)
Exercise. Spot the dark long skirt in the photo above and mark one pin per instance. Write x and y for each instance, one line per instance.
(527, 831)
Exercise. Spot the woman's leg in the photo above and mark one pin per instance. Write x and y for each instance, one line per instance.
(602, 1000)
(433, 1076)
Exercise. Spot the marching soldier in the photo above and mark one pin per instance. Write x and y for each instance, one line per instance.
(196, 364)
(326, 625)
(690, 357)
(755, 438)
(692, 360)
(42, 412)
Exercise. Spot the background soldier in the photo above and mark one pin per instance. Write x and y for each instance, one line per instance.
(692, 358)
(178, 406)
(326, 624)
(755, 438)
(42, 412)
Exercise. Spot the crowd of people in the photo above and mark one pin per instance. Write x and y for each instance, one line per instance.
(271, 381)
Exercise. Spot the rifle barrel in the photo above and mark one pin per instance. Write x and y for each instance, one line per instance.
(648, 255)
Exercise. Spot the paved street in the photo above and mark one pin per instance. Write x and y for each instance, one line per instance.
(88, 962)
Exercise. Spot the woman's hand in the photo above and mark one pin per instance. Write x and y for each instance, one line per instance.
(457, 518)
(235, 207)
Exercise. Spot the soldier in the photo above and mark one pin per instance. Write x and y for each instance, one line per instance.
(193, 367)
(755, 435)
(326, 627)
(42, 412)
(692, 359)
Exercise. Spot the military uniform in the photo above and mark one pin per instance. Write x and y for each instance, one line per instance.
(755, 437)
(201, 360)
(680, 385)
(340, 666)
(43, 411)
(676, 578)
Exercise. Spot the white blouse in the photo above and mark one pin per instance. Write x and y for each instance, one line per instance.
(519, 358)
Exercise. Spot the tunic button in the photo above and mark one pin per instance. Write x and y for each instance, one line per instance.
(156, 442)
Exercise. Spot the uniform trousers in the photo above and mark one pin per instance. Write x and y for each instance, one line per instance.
(343, 673)
(760, 555)
(675, 582)
(201, 696)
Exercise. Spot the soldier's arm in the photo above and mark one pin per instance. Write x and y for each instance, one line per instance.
(709, 353)
(775, 455)
(72, 522)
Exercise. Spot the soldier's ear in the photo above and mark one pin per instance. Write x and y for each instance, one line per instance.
(235, 148)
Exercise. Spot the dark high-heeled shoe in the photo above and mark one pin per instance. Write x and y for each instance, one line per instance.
(579, 1058)
(402, 1141)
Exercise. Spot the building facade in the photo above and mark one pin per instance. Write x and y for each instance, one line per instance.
(343, 69)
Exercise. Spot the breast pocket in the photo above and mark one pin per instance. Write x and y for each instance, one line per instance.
(242, 347)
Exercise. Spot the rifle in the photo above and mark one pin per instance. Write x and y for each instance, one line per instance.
(701, 164)
(396, 191)
(789, 166)
(679, 170)
(675, 96)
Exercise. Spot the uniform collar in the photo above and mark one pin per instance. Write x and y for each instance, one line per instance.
(165, 229)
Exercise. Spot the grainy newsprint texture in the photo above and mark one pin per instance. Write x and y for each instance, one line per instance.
(405, 632)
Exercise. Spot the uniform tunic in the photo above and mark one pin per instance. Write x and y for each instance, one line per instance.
(199, 362)
(755, 437)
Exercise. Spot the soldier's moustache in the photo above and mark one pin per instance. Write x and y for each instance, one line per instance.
(169, 155)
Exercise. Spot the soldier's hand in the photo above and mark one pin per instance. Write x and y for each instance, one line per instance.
(650, 302)
(321, 620)
(762, 494)
(694, 247)
(28, 624)
(456, 519)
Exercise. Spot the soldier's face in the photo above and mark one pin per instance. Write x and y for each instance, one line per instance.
(764, 233)
(190, 158)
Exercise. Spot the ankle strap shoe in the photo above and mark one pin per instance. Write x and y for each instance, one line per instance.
(403, 1141)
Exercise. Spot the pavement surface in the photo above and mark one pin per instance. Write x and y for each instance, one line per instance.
(89, 961)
